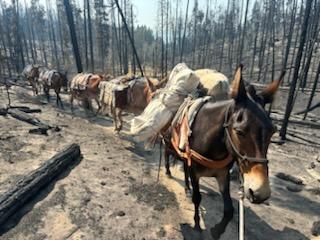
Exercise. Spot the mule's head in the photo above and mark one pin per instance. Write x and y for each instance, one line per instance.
(251, 130)
(151, 87)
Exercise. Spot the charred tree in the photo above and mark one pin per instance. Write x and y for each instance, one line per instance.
(73, 35)
(130, 37)
(290, 101)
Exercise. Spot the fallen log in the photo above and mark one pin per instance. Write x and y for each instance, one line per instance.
(3, 111)
(26, 109)
(283, 88)
(20, 115)
(40, 131)
(12, 200)
(299, 122)
(309, 109)
(289, 178)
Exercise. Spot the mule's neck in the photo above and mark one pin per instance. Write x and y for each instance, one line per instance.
(208, 136)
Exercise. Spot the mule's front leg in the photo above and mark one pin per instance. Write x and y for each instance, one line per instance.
(114, 117)
(71, 102)
(224, 187)
(98, 104)
(46, 91)
(196, 199)
(167, 161)
(119, 116)
(59, 100)
(186, 179)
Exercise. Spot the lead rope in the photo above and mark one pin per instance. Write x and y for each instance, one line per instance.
(160, 158)
(241, 208)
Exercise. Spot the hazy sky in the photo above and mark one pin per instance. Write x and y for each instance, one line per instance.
(146, 10)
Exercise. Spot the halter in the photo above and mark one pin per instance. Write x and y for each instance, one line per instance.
(241, 158)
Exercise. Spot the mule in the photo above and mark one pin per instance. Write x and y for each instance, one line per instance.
(88, 91)
(31, 73)
(141, 93)
(52, 79)
(236, 130)
(212, 83)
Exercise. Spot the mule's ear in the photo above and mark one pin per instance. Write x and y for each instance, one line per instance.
(268, 93)
(238, 90)
(162, 82)
(151, 85)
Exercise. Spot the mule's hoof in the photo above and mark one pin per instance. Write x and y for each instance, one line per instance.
(169, 174)
(188, 193)
(216, 232)
(197, 228)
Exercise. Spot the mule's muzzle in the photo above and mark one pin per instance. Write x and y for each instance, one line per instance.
(256, 196)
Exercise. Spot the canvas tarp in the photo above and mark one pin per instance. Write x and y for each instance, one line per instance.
(80, 81)
(160, 111)
(214, 83)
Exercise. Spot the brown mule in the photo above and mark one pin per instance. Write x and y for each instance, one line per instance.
(239, 130)
(52, 79)
(88, 90)
(31, 73)
(141, 93)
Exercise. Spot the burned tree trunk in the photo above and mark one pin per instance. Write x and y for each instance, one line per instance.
(12, 200)
(73, 35)
(290, 101)
(315, 83)
(184, 32)
(130, 37)
(90, 36)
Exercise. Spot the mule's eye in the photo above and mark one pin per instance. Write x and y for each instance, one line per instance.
(240, 132)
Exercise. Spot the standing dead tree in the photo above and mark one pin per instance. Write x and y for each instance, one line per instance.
(73, 35)
(292, 90)
(130, 37)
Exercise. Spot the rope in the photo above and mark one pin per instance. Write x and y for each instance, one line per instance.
(241, 208)
(160, 158)
(241, 214)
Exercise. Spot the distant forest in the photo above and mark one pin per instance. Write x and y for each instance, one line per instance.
(263, 35)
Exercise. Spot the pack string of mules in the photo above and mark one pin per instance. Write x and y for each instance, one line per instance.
(208, 133)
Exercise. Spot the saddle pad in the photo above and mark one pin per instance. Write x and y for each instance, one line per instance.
(191, 107)
(49, 75)
(187, 112)
(80, 82)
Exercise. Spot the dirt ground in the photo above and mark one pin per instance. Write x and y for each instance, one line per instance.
(112, 193)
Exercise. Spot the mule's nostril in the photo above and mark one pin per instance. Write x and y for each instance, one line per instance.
(250, 192)
(251, 195)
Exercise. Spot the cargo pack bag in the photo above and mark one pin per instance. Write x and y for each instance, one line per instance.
(182, 82)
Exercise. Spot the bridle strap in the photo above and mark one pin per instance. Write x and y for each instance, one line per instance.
(240, 157)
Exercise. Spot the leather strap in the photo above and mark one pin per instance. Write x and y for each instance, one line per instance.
(190, 154)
